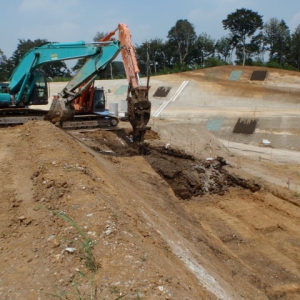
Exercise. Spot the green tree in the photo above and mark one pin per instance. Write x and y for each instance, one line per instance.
(1, 56)
(7, 68)
(243, 23)
(254, 50)
(98, 36)
(141, 56)
(2, 66)
(277, 37)
(259, 46)
(53, 69)
(223, 48)
(182, 36)
(294, 56)
(203, 48)
(155, 50)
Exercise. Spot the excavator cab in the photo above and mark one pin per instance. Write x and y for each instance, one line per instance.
(5, 98)
(35, 91)
(3, 87)
(99, 100)
(38, 89)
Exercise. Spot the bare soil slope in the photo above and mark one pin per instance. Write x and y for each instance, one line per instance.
(168, 224)
(277, 81)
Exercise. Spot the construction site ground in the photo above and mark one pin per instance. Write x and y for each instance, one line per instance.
(187, 215)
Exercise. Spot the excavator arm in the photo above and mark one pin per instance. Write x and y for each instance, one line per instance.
(37, 57)
(139, 106)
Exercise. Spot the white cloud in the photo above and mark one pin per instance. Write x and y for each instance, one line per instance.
(54, 20)
(196, 15)
(33, 5)
(295, 22)
(49, 9)
(63, 32)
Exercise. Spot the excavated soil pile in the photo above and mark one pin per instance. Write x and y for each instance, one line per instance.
(188, 176)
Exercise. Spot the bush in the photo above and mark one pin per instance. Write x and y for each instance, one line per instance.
(289, 67)
(60, 79)
(273, 64)
(214, 62)
(258, 63)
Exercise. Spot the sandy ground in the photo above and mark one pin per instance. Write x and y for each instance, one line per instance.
(149, 240)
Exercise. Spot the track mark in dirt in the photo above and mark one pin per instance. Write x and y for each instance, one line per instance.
(261, 236)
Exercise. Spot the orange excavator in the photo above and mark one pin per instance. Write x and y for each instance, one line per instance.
(138, 104)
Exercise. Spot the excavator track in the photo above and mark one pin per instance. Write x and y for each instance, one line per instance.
(89, 121)
(18, 116)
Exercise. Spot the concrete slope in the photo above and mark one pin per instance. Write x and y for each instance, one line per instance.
(209, 97)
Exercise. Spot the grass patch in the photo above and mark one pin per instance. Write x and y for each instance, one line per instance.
(85, 253)
(143, 258)
(77, 294)
(114, 289)
(85, 244)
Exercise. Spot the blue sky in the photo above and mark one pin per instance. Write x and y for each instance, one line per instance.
(74, 20)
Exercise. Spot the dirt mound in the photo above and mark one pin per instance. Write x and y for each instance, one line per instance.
(44, 169)
(237, 241)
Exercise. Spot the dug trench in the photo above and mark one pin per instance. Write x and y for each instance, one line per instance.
(188, 176)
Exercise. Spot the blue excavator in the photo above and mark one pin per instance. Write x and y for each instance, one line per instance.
(28, 86)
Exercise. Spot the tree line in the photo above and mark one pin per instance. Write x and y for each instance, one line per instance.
(250, 42)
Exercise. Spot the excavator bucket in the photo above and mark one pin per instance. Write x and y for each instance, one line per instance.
(60, 110)
(139, 109)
